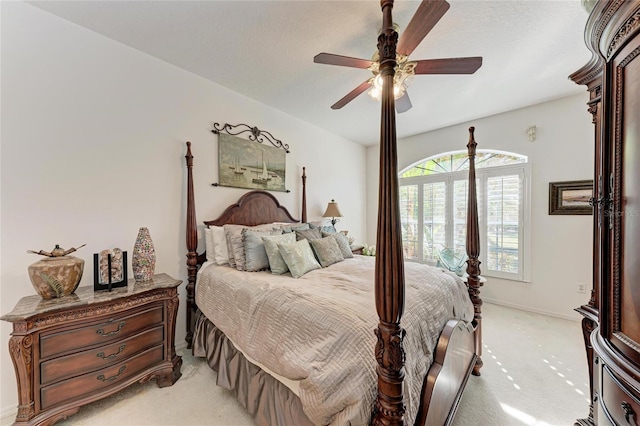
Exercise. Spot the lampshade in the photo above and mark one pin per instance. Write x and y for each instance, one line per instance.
(332, 210)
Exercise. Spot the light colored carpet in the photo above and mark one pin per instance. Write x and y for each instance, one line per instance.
(534, 373)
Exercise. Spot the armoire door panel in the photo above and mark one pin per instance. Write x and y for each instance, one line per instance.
(626, 247)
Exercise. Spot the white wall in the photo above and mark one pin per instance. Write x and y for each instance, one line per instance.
(93, 144)
(563, 150)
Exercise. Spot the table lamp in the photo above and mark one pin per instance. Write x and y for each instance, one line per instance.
(333, 212)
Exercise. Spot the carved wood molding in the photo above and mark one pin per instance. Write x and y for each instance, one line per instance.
(595, 98)
(93, 311)
(21, 350)
(593, 110)
(626, 30)
(627, 341)
(610, 10)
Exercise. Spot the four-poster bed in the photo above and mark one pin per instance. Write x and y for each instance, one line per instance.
(457, 348)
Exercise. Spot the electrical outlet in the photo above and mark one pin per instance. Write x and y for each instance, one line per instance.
(581, 288)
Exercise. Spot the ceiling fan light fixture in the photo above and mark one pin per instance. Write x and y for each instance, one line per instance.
(427, 15)
(403, 72)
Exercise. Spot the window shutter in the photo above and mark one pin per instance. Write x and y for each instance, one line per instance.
(409, 220)
(503, 223)
(460, 193)
(434, 219)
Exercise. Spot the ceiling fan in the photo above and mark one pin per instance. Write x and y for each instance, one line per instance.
(426, 17)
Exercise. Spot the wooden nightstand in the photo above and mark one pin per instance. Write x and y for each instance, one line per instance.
(74, 350)
(357, 249)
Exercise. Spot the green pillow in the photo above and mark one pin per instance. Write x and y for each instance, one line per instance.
(298, 257)
(327, 251)
(276, 262)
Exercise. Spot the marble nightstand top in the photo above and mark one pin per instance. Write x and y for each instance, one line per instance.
(31, 306)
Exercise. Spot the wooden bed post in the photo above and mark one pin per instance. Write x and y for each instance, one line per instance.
(303, 219)
(192, 246)
(389, 269)
(473, 251)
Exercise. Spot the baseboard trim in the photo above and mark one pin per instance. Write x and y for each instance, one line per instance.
(575, 318)
(8, 415)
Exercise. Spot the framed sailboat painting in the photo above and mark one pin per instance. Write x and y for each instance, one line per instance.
(246, 164)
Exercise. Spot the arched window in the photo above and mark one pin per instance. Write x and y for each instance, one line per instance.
(433, 200)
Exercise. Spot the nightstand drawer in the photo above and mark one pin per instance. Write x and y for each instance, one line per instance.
(112, 328)
(100, 380)
(100, 357)
(618, 400)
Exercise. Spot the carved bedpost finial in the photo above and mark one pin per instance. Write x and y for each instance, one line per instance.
(471, 146)
(189, 156)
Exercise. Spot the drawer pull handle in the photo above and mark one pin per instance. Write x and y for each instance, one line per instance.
(113, 355)
(628, 412)
(108, 379)
(111, 333)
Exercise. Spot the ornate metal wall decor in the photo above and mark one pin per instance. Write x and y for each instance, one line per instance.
(251, 163)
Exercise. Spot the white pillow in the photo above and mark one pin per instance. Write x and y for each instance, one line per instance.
(220, 250)
(208, 239)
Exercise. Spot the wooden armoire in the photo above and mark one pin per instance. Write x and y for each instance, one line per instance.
(611, 323)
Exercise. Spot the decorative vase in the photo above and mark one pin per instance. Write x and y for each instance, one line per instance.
(56, 275)
(144, 256)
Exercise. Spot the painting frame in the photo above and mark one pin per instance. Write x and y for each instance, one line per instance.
(250, 163)
(571, 197)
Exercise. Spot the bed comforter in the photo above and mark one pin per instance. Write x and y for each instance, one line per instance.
(319, 329)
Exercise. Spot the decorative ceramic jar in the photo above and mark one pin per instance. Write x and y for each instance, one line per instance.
(144, 256)
(57, 275)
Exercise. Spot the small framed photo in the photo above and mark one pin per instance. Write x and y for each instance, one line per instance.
(570, 197)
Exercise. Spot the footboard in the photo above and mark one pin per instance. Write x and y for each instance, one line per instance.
(452, 364)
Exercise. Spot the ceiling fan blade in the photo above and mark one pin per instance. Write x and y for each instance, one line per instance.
(344, 61)
(403, 103)
(449, 65)
(426, 17)
(351, 95)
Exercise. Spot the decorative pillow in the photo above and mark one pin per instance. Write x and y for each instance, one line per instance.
(298, 257)
(276, 262)
(324, 228)
(208, 239)
(254, 251)
(291, 227)
(327, 251)
(342, 241)
(309, 234)
(236, 245)
(328, 229)
(220, 250)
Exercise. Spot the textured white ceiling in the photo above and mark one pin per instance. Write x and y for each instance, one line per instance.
(264, 50)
